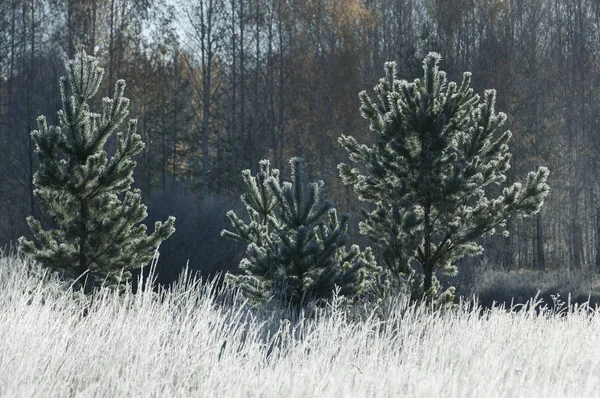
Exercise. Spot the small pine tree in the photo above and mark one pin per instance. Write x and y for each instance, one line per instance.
(296, 244)
(437, 150)
(97, 234)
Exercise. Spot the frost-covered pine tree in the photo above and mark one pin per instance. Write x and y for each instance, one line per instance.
(437, 150)
(96, 215)
(296, 244)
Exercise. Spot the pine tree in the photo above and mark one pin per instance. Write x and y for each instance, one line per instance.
(96, 233)
(438, 151)
(296, 244)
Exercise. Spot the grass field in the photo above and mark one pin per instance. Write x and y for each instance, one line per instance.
(189, 342)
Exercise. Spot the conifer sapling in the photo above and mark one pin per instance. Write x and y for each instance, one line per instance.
(296, 244)
(437, 151)
(97, 233)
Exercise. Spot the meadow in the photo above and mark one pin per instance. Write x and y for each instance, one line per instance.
(191, 340)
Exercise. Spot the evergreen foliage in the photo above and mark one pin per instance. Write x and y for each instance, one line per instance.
(296, 244)
(437, 151)
(97, 233)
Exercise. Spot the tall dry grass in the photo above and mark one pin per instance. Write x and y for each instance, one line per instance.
(192, 341)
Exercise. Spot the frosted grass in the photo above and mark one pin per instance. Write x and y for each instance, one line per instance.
(189, 342)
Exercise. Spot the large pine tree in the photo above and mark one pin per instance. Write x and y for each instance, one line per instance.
(296, 244)
(438, 149)
(96, 215)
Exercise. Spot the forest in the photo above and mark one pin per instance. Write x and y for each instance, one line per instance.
(218, 85)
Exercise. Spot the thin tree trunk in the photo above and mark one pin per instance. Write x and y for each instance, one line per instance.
(12, 50)
(70, 28)
(207, 58)
(575, 232)
(598, 239)
(244, 131)
(92, 48)
(234, 81)
(271, 85)
(427, 255)
(541, 259)
(175, 124)
(164, 128)
(111, 49)
(88, 280)
(281, 121)
(30, 79)
(255, 121)
(145, 134)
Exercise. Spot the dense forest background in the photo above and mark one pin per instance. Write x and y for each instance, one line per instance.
(218, 85)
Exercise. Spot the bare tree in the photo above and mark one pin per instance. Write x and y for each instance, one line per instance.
(206, 38)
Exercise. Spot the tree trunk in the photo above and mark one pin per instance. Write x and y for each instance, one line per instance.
(270, 81)
(233, 129)
(13, 51)
(164, 128)
(508, 246)
(111, 49)
(540, 243)
(244, 132)
(281, 122)
(29, 94)
(70, 28)
(255, 122)
(427, 255)
(175, 123)
(598, 239)
(428, 281)
(575, 234)
(92, 49)
(206, 136)
(207, 57)
(87, 280)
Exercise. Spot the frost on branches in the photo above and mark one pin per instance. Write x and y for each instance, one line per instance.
(437, 149)
(97, 232)
(296, 244)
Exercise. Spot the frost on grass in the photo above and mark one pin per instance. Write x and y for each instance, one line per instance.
(191, 341)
